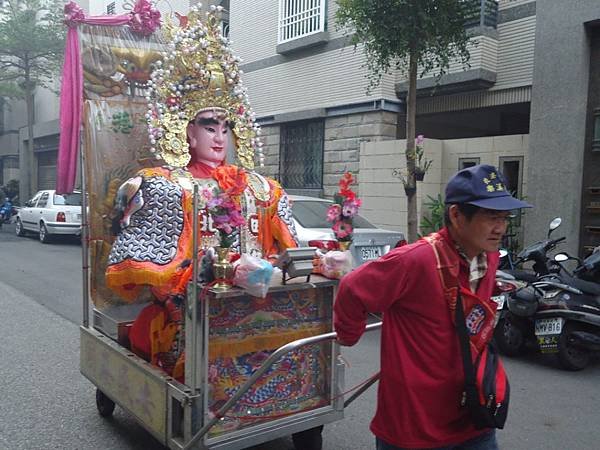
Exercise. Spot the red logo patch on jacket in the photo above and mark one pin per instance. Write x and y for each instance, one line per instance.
(475, 320)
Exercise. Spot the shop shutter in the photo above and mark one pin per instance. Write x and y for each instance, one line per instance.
(47, 170)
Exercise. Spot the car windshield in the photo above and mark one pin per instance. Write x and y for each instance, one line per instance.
(311, 214)
(68, 199)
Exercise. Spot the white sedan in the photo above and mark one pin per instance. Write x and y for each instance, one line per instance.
(49, 213)
(369, 242)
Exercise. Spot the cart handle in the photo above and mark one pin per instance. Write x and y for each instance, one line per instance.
(275, 356)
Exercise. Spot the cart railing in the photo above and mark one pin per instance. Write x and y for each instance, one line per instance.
(272, 359)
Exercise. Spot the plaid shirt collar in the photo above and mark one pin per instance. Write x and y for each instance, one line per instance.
(477, 267)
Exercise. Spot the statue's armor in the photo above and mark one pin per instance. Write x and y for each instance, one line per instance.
(155, 226)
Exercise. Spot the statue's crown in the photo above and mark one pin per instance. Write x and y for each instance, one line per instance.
(199, 73)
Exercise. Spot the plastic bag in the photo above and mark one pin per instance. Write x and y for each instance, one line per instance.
(253, 275)
(334, 264)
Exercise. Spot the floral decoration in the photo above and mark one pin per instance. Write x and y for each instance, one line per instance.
(231, 178)
(422, 164)
(343, 210)
(223, 202)
(73, 14)
(144, 18)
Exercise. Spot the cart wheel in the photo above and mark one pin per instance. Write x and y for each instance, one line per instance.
(105, 405)
(308, 439)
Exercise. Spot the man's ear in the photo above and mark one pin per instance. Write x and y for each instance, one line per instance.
(191, 139)
(455, 216)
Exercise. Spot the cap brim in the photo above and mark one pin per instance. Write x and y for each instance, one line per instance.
(505, 203)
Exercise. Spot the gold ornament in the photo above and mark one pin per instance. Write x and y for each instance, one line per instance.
(199, 73)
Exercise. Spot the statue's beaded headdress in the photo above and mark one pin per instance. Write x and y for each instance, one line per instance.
(199, 73)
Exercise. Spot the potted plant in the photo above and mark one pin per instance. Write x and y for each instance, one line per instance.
(422, 164)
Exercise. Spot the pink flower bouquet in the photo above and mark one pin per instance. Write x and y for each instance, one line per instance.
(225, 212)
(343, 210)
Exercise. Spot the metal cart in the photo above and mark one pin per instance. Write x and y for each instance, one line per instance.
(256, 369)
(189, 415)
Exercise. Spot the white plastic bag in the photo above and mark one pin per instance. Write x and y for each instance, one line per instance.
(335, 264)
(253, 275)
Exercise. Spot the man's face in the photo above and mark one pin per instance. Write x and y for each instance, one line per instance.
(208, 136)
(482, 232)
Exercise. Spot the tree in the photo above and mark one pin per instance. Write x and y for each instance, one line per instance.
(32, 41)
(408, 35)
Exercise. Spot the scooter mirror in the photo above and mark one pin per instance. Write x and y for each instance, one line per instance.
(561, 257)
(554, 225)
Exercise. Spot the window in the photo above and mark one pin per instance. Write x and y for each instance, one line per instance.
(225, 28)
(73, 199)
(301, 159)
(11, 162)
(464, 163)
(110, 9)
(512, 168)
(43, 201)
(1, 114)
(299, 18)
(225, 18)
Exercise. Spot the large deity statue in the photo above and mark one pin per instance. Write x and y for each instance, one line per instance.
(197, 105)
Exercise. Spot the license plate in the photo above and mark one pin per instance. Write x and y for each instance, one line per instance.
(367, 253)
(548, 326)
(499, 299)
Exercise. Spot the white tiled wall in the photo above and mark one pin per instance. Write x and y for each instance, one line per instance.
(384, 200)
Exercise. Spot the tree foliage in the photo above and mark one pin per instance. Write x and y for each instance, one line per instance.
(32, 41)
(410, 36)
(432, 31)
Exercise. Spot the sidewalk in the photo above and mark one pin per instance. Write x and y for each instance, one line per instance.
(45, 403)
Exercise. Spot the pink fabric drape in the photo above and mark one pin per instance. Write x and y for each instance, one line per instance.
(71, 91)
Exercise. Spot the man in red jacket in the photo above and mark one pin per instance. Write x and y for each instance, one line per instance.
(422, 378)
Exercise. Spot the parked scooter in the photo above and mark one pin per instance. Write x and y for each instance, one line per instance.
(7, 211)
(537, 253)
(567, 321)
(514, 330)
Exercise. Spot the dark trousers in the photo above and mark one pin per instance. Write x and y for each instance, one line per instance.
(486, 441)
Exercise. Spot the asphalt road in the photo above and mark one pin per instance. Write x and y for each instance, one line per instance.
(46, 404)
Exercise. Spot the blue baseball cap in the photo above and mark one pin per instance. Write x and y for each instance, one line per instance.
(484, 186)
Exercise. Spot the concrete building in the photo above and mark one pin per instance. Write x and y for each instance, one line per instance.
(111, 7)
(529, 103)
(307, 84)
(565, 122)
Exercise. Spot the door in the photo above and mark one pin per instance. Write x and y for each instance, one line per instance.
(27, 213)
(41, 210)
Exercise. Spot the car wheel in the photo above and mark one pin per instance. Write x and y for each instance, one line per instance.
(19, 230)
(44, 236)
(570, 356)
(509, 337)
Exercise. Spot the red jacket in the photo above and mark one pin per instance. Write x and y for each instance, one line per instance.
(418, 400)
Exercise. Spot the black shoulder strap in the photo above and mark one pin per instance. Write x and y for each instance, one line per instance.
(461, 328)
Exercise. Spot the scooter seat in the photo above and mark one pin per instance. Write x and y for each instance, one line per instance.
(585, 286)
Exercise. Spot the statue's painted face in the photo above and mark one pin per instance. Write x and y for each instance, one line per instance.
(208, 137)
